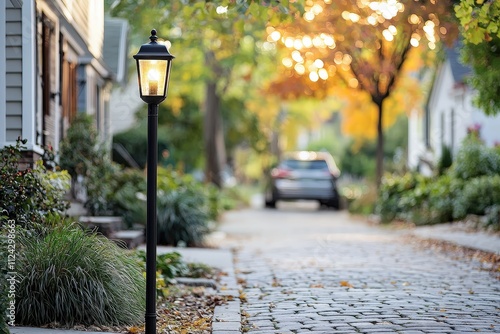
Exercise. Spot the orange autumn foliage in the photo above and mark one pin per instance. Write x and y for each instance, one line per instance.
(362, 51)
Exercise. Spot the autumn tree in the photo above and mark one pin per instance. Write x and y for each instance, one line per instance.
(215, 44)
(360, 46)
(480, 28)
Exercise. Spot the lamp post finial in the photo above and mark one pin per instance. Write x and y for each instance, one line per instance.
(153, 36)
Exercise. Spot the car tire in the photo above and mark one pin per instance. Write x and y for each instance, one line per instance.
(334, 202)
(270, 201)
(270, 205)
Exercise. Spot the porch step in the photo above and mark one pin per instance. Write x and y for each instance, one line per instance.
(130, 239)
(106, 225)
(76, 209)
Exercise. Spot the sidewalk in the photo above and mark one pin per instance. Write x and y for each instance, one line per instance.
(460, 235)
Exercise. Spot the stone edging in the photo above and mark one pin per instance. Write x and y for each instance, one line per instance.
(227, 317)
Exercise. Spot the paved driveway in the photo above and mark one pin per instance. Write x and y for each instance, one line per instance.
(305, 270)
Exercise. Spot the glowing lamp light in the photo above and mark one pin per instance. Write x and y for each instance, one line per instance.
(152, 82)
(153, 69)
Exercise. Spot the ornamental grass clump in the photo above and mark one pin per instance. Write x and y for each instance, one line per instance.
(4, 301)
(72, 277)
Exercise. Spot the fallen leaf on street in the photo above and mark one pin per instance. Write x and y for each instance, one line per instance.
(346, 284)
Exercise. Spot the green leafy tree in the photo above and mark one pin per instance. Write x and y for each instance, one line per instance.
(218, 42)
(479, 20)
(485, 79)
(182, 127)
(480, 27)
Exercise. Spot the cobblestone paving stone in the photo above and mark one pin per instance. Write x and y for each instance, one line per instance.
(349, 277)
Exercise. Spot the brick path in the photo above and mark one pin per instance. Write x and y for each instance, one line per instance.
(308, 271)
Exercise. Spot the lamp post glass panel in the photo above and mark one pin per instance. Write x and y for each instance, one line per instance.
(153, 69)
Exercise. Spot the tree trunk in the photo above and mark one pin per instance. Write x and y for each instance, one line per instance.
(215, 149)
(380, 145)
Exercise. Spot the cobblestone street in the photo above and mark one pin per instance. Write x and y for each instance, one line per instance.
(305, 270)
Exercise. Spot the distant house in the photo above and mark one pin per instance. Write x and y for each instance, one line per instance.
(448, 115)
(55, 62)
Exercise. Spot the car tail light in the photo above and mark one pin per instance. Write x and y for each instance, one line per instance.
(280, 173)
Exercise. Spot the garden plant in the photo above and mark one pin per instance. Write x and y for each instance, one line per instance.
(64, 274)
(470, 186)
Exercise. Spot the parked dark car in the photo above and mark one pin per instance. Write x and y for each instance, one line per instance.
(304, 175)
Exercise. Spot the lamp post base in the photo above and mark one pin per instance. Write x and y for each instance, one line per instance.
(150, 324)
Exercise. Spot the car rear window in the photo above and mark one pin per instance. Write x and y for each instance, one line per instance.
(305, 164)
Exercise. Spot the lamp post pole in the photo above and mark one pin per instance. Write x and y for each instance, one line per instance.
(153, 69)
(152, 161)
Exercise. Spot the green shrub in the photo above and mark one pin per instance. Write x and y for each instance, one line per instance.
(389, 205)
(363, 204)
(169, 265)
(182, 217)
(185, 208)
(412, 201)
(210, 198)
(471, 186)
(169, 179)
(135, 140)
(431, 202)
(237, 196)
(28, 195)
(477, 195)
(492, 217)
(73, 277)
(4, 301)
(445, 161)
(443, 193)
(199, 270)
(81, 154)
(214, 202)
(125, 199)
(79, 147)
(101, 184)
(474, 159)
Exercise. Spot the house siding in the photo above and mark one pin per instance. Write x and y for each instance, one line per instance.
(42, 46)
(13, 72)
(79, 13)
(450, 113)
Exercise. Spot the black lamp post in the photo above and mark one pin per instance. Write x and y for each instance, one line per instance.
(153, 68)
